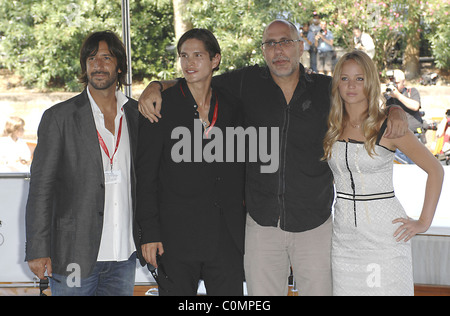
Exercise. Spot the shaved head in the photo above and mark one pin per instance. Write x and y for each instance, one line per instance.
(295, 33)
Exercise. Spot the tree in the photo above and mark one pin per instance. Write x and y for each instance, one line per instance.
(435, 15)
(411, 64)
(238, 26)
(181, 23)
(395, 25)
(152, 38)
(42, 38)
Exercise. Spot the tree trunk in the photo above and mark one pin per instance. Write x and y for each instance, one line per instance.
(411, 57)
(181, 23)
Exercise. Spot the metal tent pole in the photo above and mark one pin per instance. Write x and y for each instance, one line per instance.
(127, 42)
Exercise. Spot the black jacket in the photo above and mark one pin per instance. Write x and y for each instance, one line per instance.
(182, 204)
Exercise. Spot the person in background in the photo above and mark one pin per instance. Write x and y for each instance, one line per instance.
(409, 100)
(324, 43)
(363, 42)
(15, 155)
(308, 39)
(314, 28)
(80, 223)
(443, 130)
(371, 252)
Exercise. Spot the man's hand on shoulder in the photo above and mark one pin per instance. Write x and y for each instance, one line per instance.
(149, 103)
(397, 124)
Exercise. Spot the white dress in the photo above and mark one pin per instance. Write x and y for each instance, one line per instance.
(366, 258)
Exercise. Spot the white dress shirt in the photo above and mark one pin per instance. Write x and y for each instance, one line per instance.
(117, 238)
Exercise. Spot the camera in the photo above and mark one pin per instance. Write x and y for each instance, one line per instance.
(391, 85)
(302, 33)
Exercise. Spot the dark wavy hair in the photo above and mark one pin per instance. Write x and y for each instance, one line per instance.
(116, 48)
(209, 40)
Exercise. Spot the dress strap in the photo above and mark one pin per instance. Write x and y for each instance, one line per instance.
(381, 132)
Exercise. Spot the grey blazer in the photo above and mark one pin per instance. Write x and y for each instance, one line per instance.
(64, 212)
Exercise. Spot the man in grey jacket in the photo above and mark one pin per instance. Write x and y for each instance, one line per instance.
(80, 212)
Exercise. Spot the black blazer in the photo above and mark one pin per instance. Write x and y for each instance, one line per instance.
(182, 204)
(64, 213)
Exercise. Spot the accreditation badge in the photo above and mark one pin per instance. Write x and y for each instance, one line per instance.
(113, 177)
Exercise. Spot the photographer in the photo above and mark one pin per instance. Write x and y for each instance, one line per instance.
(308, 40)
(409, 100)
(364, 42)
(324, 43)
(314, 28)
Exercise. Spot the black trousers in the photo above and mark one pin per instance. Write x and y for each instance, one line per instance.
(223, 275)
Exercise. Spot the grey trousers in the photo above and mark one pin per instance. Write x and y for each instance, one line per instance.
(270, 252)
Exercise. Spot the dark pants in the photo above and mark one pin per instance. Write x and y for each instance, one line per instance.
(223, 275)
(313, 59)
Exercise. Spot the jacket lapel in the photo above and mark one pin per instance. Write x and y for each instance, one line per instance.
(84, 119)
(132, 115)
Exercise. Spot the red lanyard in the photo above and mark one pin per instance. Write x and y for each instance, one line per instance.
(216, 110)
(103, 145)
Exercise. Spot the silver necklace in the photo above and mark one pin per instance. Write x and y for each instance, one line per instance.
(354, 125)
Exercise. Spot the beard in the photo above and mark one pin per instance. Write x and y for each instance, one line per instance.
(104, 83)
(284, 71)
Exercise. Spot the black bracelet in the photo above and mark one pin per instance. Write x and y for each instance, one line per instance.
(161, 88)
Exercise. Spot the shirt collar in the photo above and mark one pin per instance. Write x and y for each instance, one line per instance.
(120, 97)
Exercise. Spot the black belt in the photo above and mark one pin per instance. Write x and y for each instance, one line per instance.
(364, 197)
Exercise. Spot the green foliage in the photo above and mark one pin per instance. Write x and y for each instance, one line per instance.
(437, 18)
(152, 35)
(239, 24)
(42, 38)
(441, 46)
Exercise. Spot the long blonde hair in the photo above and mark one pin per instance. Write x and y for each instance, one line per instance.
(375, 113)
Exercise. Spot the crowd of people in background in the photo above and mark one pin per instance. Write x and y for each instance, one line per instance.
(318, 41)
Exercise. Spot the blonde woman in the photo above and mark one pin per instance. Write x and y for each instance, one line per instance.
(15, 155)
(371, 252)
